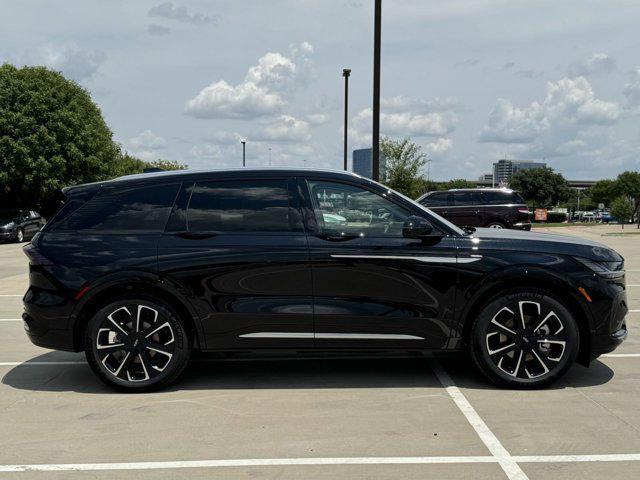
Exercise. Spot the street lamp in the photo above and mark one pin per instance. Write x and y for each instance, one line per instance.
(345, 73)
(375, 153)
(243, 142)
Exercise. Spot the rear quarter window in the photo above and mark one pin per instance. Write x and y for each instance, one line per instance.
(139, 209)
(502, 198)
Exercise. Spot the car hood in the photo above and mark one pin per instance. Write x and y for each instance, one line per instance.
(492, 238)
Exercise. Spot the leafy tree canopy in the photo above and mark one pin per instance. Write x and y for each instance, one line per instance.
(604, 191)
(622, 208)
(404, 159)
(53, 135)
(540, 186)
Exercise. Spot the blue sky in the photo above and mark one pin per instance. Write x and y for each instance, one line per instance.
(470, 81)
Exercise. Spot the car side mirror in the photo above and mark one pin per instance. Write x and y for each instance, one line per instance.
(417, 227)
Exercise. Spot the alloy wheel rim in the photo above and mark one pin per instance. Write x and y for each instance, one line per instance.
(20, 236)
(526, 340)
(495, 225)
(135, 343)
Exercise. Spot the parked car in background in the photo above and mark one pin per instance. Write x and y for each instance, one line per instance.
(19, 225)
(480, 207)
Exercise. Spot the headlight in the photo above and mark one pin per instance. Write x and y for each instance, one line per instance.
(604, 269)
(9, 225)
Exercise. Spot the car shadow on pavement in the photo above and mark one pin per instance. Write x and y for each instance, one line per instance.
(206, 373)
(460, 369)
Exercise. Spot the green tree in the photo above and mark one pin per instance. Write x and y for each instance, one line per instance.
(404, 161)
(51, 135)
(542, 187)
(458, 183)
(622, 208)
(604, 191)
(629, 185)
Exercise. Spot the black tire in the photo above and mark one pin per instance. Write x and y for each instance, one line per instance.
(137, 357)
(498, 225)
(20, 236)
(525, 318)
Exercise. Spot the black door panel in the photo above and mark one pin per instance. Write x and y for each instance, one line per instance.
(240, 252)
(372, 287)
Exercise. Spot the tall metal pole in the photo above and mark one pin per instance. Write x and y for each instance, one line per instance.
(345, 73)
(375, 151)
(243, 142)
(269, 156)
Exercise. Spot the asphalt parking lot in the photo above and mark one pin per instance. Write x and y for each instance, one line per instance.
(402, 418)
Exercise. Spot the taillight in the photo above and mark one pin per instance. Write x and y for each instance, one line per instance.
(34, 255)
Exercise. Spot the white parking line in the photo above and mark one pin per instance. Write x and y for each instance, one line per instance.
(269, 462)
(620, 355)
(510, 467)
(10, 319)
(37, 364)
(7, 295)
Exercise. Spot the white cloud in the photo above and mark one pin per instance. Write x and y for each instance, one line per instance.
(181, 14)
(147, 140)
(596, 63)
(569, 104)
(244, 101)
(439, 147)
(400, 103)
(73, 61)
(206, 150)
(317, 118)
(285, 128)
(158, 30)
(632, 89)
(404, 124)
(261, 92)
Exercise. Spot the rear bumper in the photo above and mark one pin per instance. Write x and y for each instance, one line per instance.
(521, 226)
(8, 236)
(47, 320)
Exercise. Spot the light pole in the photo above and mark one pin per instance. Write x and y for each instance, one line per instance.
(375, 153)
(243, 142)
(269, 156)
(345, 73)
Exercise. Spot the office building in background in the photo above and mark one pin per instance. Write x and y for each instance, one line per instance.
(363, 163)
(503, 169)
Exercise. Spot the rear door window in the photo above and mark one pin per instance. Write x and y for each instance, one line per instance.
(242, 206)
(437, 199)
(466, 198)
(140, 209)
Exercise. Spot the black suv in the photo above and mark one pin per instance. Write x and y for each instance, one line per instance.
(140, 271)
(19, 225)
(480, 207)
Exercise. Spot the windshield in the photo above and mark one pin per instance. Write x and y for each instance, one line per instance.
(446, 222)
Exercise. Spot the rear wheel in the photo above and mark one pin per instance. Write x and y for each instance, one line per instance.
(495, 225)
(137, 344)
(20, 236)
(525, 339)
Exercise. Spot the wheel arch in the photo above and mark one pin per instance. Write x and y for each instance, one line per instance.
(98, 296)
(536, 278)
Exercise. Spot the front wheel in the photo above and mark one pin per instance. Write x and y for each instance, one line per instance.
(524, 339)
(20, 236)
(137, 344)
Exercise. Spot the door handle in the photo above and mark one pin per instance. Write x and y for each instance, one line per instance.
(195, 235)
(336, 238)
